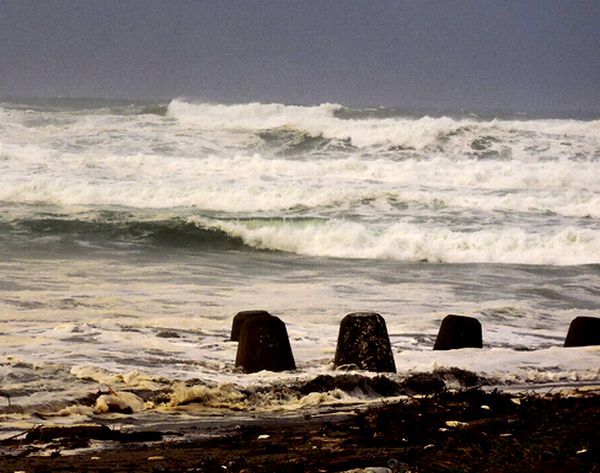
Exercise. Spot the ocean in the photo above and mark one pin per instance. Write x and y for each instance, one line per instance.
(131, 233)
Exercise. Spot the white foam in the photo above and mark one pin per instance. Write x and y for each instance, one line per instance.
(208, 156)
(254, 116)
(406, 242)
(417, 133)
(250, 183)
(555, 364)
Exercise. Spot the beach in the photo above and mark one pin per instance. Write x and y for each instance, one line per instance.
(469, 431)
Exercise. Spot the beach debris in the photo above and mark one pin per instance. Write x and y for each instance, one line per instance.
(263, 436)
(583, 331)
(6, 395)
(168, 334)
(393, 466)
(47, 433)
(458, 331)
(456, 424)
(240, 319)
(156, 458)
(264, 345)
(363, 341)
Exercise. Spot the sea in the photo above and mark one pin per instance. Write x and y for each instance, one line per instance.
(132, 232)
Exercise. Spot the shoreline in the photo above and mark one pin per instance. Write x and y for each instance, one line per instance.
(465, 430)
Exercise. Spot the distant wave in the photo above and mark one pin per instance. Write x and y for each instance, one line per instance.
(333, 121)
(326, 180)
(87, 105)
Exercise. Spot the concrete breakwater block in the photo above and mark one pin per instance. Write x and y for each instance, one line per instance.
(264, 345)
(458, 331)
(240, 319)
(363, 341)
(583, 331)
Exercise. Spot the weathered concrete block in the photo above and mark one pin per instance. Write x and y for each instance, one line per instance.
(241, 317)
(363, 341)
(264, 345)
(458, 331)
(583, 331)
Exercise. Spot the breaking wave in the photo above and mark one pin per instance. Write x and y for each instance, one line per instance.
(409, 242)
(251, 183)
(333, 121)
(336, 238)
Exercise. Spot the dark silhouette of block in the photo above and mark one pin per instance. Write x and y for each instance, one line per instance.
(583, 331)
(458, 331)
(264, 345)
(363, 341)
(240, 319)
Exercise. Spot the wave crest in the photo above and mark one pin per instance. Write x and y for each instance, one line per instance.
(334, 122)
(409, 242)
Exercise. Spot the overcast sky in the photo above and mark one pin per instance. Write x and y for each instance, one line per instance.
(515, 55)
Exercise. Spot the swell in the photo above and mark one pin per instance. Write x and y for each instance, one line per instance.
(86, 105)
(175, 232)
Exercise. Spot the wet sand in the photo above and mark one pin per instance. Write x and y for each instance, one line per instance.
(469, 430)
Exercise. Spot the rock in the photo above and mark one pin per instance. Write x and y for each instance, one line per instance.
(264, 345)
(458, 331)
(241, 318)
(583, 331)
(363, 340)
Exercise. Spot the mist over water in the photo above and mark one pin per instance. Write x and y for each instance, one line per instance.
(121, 220)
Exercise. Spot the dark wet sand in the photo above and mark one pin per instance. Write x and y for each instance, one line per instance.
(494, 434)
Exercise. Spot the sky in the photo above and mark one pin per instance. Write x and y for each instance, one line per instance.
(541, 55)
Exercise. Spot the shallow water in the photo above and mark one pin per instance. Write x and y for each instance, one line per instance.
(118, 224)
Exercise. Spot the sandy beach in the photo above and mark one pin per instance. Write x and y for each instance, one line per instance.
(469, 430)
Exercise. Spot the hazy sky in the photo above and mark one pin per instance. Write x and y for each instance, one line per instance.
(524, 55)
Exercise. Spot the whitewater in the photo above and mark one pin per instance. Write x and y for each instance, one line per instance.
(131, 233)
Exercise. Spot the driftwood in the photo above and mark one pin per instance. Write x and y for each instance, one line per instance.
(82, 432)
